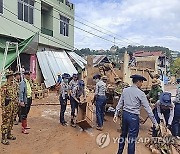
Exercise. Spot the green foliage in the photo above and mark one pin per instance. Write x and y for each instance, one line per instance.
(121, 51)
(175, 67)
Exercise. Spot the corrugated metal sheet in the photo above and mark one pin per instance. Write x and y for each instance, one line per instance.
(78, 59)
(52, 63)
(97, 59)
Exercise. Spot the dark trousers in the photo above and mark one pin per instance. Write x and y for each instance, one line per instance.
(166, 114)
(63, 103)
(24, 112)
(100, 108)
(130, 127)
(176, 121)
(29, 103)
(74, 106)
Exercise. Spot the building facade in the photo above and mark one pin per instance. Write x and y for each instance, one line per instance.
(175, 54)
(52, 20)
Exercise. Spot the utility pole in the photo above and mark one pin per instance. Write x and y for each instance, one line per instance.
(114, 41)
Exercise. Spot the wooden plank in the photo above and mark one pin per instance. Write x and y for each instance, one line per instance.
(85, 116)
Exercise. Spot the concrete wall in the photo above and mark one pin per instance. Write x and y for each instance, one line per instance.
(8, 28)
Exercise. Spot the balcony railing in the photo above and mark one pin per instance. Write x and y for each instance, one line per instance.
(46, 31)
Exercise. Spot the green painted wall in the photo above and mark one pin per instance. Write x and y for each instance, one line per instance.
(11, 29)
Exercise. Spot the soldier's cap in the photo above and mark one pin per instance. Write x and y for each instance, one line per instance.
(139, 77)
(9, 73)
(75, 75)
(155, 82)
(104, 77)
(27, 72)
(66, 76)
(97, 76)
(118, 80)
(178, 80)
(165, 99)
(17, 73)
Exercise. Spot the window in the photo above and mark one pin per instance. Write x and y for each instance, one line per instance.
(64, 26)
(1, 6)
(26, 10)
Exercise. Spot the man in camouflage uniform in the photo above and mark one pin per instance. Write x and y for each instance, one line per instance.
(17, 77)
(155, 92)
(158, 77)
(120, 85)
(8, 97)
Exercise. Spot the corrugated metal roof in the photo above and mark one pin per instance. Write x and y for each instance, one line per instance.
(97, 59)
(52, 63)
(78, 59)
(147, 53)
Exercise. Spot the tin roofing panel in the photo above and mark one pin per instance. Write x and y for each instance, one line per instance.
(52, 63)
(78, 59)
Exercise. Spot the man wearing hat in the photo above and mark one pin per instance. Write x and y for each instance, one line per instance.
(132, 60)
(25, 96)
(176, 119)
(155, 92)
(76, 93)
(120, 85)
(17, 79)
(131, 100)
(164, 112)
(8, 97)
(100, 99)
(73, 83)
(59, 80)
(157, 76)
(64, 96)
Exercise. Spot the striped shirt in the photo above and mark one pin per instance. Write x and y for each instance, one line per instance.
(132, 99)
(100, 88)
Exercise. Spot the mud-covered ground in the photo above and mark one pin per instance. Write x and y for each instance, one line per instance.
(47, 136)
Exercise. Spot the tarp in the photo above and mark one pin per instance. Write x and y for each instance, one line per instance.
(11, 57)
(78, 59)
(52, 63)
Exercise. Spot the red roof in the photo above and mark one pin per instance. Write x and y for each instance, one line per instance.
(147, 53)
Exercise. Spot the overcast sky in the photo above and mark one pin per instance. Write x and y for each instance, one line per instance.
(136, 22)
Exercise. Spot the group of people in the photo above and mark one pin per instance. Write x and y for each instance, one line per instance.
(16, 100)
(70, 88)
(164, 111)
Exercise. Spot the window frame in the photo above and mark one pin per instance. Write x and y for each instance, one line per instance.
(1, 13)
(65, 29)
(29, 6)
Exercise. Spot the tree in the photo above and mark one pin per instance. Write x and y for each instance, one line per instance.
(175, 67)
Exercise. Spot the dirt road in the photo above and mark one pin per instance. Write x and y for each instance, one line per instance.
(47, 136)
